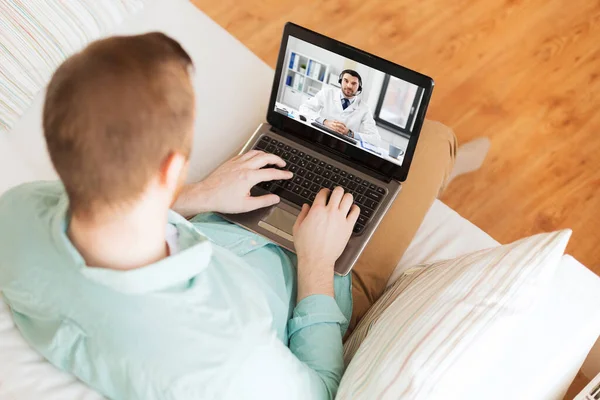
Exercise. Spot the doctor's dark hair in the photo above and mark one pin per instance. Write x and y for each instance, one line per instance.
(114, 113)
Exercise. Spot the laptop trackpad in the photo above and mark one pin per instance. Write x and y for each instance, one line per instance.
(279, 222)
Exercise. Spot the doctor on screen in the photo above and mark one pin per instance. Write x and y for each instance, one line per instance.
(342, 110)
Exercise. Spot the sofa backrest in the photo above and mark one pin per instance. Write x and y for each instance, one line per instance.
(232, 90)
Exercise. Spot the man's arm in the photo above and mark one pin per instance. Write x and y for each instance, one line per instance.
(267, 369)
(312, 108)
(321, 233)
(227, 189)
(312, 366)
(368, 129)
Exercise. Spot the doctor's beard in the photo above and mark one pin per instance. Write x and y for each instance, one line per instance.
(348, 92)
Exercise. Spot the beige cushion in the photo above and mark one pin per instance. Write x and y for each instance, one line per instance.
(434, 313)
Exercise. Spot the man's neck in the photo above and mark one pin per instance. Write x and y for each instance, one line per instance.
(347, 97)
(121, 239)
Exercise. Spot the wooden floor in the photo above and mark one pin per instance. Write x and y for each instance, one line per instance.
(526, 74)
(579, 383)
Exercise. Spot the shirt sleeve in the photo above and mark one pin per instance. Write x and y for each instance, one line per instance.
(311, 368)
(368, 129)
(315, 338)
(312, 108)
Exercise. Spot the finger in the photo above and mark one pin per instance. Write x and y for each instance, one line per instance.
(336, 197)
(269, 174)
(321, 198)
(250, 154)
(354, 213)
(300, 218)
(346, 203)
(255, 202)
(260, 160)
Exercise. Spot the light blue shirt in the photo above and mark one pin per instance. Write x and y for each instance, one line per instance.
(218, 319)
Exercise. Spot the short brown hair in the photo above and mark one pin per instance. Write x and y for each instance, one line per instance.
(113, 113)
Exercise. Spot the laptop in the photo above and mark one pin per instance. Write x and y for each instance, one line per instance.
(385, 111)
(334, 133)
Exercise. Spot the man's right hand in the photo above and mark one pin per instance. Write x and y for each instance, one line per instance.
(227, 189)
(336, 126)
(321, 233)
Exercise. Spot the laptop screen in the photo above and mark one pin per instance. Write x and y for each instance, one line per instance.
(368, 112)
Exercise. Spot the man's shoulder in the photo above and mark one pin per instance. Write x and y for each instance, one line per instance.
(331, 90)
(362, 104)
(24, 229)
(27, 205)
(325, 92)
(48, 192)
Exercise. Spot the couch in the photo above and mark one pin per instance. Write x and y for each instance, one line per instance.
(233, 88)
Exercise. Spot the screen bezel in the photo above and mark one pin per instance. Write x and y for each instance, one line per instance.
(338, 146)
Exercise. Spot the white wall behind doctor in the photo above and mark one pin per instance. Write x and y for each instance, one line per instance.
(336, 62)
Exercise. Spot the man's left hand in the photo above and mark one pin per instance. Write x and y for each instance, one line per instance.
(227, 189)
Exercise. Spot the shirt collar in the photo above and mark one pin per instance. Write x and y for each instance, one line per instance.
(194, 253)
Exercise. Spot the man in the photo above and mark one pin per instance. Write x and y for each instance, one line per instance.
(140, 303)
(342, 110)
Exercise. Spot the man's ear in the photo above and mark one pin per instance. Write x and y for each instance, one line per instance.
(172, 170)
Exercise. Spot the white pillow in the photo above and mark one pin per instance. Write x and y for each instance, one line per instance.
(37, 35)
(433, 314)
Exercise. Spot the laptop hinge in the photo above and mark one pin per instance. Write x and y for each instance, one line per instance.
(335, 155)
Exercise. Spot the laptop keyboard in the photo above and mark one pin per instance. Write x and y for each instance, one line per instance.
(311, 174)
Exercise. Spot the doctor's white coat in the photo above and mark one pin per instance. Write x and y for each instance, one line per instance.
(327, 104)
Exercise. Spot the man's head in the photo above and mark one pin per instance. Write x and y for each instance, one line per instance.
(118, 121)
(351, 82)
